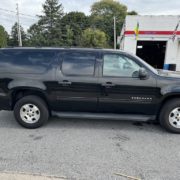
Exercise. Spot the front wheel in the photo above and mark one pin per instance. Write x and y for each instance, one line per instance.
(31, 112)
(170, 116)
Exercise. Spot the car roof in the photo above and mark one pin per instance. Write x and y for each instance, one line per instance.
(60, 48)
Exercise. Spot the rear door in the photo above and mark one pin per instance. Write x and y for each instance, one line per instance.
(122, 91)
(77, 86)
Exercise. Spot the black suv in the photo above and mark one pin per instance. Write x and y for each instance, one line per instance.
(86, 83)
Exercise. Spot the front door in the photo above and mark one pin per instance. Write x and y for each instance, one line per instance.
(122, 91)
(77, 86)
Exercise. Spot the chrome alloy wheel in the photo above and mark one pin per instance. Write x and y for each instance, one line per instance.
(174, 117)
(30, 113)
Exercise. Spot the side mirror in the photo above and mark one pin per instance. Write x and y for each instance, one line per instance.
(143, 74)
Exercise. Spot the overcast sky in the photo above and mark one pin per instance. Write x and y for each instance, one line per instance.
(34, 7)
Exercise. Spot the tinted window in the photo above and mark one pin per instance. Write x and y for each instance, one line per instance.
(119, 65)
(18, 61)
(81, 64)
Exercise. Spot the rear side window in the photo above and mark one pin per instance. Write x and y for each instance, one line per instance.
(78, 64)
(18, 61)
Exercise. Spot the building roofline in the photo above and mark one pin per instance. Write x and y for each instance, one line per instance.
(153, 15)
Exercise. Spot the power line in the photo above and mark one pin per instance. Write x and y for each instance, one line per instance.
(23, 14)
(9, 19)
(6, 10)
(12, 15)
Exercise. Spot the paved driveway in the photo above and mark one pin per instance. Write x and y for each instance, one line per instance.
(89, 149)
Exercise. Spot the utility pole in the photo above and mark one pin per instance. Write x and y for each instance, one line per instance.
(18, 27)
(114, 32)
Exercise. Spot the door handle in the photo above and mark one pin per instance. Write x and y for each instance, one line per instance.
(65, 83)
(108, 84)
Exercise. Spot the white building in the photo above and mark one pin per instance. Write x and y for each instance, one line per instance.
(154, 43)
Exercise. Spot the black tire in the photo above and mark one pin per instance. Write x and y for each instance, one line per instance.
(168, 107)
(37, 102)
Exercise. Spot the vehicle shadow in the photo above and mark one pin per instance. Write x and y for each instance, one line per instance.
(59, 123)
(7, 120)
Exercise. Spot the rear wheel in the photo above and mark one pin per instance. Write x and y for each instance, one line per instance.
(31, 112)
(170, 116)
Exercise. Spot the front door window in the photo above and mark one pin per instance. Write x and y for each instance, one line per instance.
(120, 66)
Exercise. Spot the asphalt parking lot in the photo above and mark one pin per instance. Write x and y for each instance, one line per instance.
(89, 149)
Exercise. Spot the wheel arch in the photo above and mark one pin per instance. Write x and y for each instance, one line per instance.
(167, 98)
(18, 93)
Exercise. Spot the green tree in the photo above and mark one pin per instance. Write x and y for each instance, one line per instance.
(132, 13)
(69, 36)
(36, 36)
(50, 23)
(76, 22)
(3, 37)
(94, 38)
(102, 13)
(13, 39)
